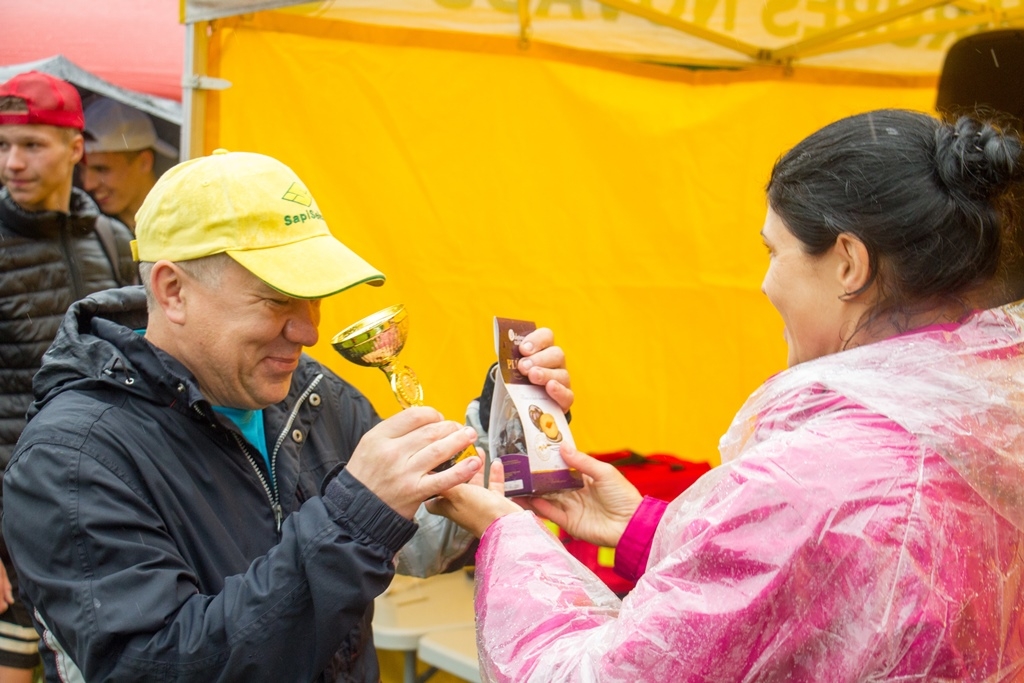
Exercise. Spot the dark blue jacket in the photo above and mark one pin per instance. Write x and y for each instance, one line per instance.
(145, 529)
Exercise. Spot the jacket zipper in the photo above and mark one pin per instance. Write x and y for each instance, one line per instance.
(291, 419)
(273, 495)
(69, 257)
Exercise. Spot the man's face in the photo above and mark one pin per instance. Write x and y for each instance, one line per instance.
(118, 181)
(37, 163)
(242, 339)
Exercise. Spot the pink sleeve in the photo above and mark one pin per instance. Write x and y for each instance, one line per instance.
(759, 571)
(634, 547)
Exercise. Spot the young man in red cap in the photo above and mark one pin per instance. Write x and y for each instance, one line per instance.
(56, 250)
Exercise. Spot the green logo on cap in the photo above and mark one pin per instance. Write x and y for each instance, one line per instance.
(297, 193)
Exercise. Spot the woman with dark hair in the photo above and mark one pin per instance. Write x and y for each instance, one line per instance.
(867, 522)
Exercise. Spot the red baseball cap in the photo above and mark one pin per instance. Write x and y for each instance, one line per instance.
(48, 100)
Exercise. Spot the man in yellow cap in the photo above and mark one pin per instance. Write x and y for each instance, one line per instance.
(193, 498)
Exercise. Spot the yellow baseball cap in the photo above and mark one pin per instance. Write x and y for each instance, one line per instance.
(254, 209)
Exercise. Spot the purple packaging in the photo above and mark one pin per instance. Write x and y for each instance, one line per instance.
(527, 427)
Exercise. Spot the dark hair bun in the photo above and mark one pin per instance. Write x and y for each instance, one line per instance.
(976, 160)
(934, 202)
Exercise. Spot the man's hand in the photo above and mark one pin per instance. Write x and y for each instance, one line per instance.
(599, 512)
(544, 364)
(395, 458)
(474, 507)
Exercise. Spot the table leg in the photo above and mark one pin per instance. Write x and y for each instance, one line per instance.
(423, 677)
(410, 675)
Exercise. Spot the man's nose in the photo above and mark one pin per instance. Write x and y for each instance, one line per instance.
(89, 180)
(301, 327)
(14, 158)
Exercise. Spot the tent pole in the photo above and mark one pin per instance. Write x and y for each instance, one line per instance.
(796, 50)
(644, 11)
(194, 85)
(974, 22)
(192, 110)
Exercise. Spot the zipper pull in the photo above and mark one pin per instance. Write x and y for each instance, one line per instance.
(278, 516)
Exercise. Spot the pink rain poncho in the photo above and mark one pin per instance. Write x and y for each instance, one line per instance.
(867, 524)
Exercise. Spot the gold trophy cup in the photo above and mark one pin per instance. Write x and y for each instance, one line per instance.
(375, 342)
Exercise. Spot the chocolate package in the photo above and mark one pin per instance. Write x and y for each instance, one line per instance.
(527, 427)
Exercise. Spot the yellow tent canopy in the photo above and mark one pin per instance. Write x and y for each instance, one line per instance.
(569, 162)
(875, 36)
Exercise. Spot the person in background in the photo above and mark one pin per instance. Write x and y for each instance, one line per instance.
(981, 77)
(55, 248)
(121, 148)
(866, 523)
(194, 498)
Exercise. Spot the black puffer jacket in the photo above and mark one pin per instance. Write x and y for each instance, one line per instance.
(153, 544)
(48, 260)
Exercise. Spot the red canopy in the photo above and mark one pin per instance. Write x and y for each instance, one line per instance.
(136, 44)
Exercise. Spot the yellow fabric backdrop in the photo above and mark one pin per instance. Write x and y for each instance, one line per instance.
(619, 206)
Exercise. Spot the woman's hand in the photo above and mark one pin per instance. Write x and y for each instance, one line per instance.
(599, 512)
(474, 507)
(544, 364)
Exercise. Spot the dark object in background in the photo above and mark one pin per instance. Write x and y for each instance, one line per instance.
(984, 71)
(983, 75)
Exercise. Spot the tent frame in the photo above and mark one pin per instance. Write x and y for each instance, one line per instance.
(976, 14)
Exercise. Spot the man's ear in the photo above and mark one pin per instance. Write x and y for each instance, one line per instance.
(145, 160)
(853, 263)
(77, 148)
(167, 282)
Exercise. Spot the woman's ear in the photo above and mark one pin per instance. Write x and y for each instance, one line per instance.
(854, 264)
(168, 286)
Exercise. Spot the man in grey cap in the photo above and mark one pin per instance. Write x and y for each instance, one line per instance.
(121, 146)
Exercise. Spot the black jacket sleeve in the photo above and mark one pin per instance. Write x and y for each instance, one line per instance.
(109, 580)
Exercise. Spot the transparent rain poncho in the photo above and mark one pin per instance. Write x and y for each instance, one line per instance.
(867, 524)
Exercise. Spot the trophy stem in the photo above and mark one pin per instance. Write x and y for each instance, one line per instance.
(404, 383)
(409, 392)
(376, 341)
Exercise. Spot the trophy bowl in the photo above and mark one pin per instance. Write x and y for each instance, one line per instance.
(376, 339)
(375, 342)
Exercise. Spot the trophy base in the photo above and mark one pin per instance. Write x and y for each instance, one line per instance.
(459, 457)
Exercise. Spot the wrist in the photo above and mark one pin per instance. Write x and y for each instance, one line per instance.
(494, 515)
(623, 518)
(350, 502)
(493, 521)
(634, 547)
